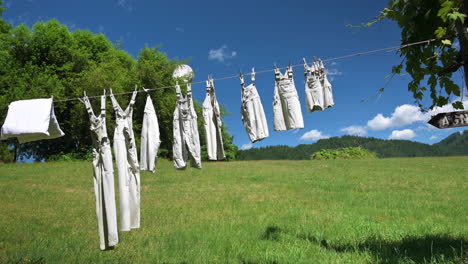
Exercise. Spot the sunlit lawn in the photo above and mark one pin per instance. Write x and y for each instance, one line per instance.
(370, 211)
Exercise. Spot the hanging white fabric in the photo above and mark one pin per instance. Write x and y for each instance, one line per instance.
(327, 87)
(186, 138)
(313, 88)
(150, 137)
(103, 177)
(212, 123)
(252, 112)
(127, 165)
(31, 120)
(286, 106)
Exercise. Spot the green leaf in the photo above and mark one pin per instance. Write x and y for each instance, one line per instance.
(458, 105)
(457, 15)
(440, 32)
(447, 42)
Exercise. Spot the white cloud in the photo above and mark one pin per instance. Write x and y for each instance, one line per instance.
(402, 134)
(403, 115)
(126, 5)
(247, 146)
(313, 135)
(332, 71)
(433, 137)
(355, 130)
(221, 54)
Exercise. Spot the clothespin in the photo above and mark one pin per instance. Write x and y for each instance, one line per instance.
(136, 87)
(110, 91)
(306, 66)
(144, 89)
(209, 83)
(241, 77)
(253, 74)
(103, 101)
(290, 71)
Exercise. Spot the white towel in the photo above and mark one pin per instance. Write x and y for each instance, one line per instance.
(31, 120)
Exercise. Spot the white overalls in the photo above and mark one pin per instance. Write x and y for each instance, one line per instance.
(313, 88)
(213, 124)
(150, 139)
(327, 88)
(286, 107)
(127, 165)
(186, 137)
(252, 113)
(103, 177)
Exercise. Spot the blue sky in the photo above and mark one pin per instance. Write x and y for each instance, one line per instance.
(222, 38)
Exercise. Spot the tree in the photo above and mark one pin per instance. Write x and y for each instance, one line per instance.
(442, 20)
(49, 60)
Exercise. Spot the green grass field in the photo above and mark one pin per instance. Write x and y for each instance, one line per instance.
(347, 211)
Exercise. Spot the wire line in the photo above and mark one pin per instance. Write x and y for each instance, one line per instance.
(389, 49)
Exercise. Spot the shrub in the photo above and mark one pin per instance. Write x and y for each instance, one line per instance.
(344, 153)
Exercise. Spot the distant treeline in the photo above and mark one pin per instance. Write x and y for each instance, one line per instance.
(454, 145)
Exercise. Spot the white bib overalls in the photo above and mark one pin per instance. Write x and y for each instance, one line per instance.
(213, 124)
(103, 177)
(127, 166)
(286, 106)
(186, 137)
(252, 113)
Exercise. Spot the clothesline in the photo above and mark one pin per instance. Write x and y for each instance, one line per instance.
(264, 71)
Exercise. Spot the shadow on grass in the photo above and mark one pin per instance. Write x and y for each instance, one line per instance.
(424, 249)
(428, 248)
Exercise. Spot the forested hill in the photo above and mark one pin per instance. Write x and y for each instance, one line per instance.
(455, 144)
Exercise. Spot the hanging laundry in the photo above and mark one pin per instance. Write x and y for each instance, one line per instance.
(327, 88)
(127, 165)
(103, 177)
(31, 120)
(213, 124)
(186, 137)
(286, 107)
(150, 139)
(252, 112)
(313, 88)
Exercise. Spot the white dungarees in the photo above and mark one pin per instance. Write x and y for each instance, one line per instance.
(186, 135)
(286, 106)
(103, 177)
(127, 165)
(213, 124)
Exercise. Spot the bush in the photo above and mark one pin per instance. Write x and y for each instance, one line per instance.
(344, 153)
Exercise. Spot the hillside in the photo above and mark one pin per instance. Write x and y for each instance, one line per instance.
(453, 145)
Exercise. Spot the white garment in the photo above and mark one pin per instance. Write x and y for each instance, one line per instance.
(313, 88)
(327, 88)
(186, 137)
(127, 165)
(286, 107)
(150, 139)
(252, 114)
(213, 124)
(103, 177)
(31, 120)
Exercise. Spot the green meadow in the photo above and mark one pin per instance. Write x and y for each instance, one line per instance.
(402, 210)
